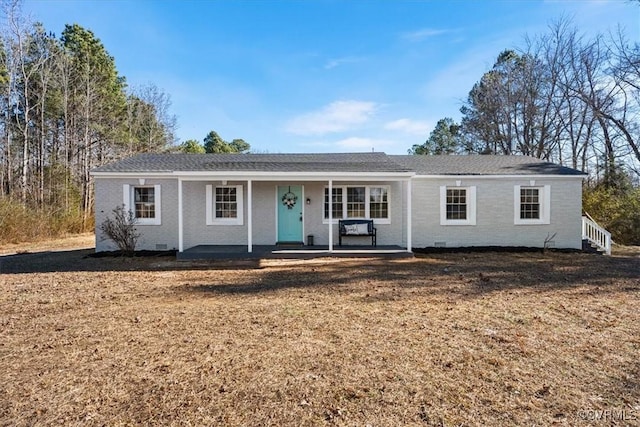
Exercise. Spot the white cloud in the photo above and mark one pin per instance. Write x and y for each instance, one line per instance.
(412, 127)
(333, 63)
(423, 34)
(335, 117)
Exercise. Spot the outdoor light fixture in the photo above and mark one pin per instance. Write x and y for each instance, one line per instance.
(308, 201)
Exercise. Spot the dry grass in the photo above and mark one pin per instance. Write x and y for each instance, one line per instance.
(455, 339)
(20, 223)
(72, 242)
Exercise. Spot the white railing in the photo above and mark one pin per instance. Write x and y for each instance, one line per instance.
(596, 234)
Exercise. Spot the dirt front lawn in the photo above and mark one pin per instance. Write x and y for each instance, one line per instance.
(450, 339)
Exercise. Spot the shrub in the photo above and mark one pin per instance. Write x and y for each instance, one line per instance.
(121, 230)
(617, 211)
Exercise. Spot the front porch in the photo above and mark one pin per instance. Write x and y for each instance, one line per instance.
(220, 252)
(263, 210)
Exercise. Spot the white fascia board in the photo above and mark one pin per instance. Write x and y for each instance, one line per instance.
(294, 176)
(262, 176)
(314, 176)
(157, 175)
(520, 177)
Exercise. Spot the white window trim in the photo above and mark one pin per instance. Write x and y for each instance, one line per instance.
(471, 206)
(129, 203)
(367, 210)
(544, 194)
(210, 211)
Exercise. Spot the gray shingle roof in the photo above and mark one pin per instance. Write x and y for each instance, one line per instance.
(338, 162)
(341, 162)
(481, 165)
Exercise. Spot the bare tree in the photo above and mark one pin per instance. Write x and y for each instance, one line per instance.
(150, 125)
(564, 97)
(512, 108)
(27, 64)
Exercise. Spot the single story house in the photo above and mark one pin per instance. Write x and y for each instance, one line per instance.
(182, 201)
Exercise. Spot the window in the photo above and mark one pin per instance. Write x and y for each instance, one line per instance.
(531, 204)
(224, 205)
(378, 202)
(336, 203)
(358, 202)
(458, 205)
(226, 202)
(144, 202)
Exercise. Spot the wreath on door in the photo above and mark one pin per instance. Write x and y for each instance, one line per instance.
(289, 199)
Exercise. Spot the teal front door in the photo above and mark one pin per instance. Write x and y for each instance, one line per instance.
(290, 213)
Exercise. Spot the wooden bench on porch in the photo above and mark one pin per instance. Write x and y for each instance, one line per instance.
(356, 227)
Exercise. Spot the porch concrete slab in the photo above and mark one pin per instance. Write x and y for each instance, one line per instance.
(216, 252)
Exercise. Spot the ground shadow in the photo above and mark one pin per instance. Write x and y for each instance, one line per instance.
(85, 260)
(465, 275)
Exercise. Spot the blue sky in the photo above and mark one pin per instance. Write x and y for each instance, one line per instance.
(318, 76)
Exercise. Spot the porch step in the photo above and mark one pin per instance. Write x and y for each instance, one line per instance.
(596, 235)
(289, 245)
(589, 247)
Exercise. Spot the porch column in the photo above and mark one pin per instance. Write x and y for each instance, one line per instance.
(249, 216)
(180, 220)
(330, 215)
(409, 215)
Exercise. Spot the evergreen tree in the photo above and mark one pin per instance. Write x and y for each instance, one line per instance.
(444, 139)
(239, 146)
(191, 146)
(213, 143)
